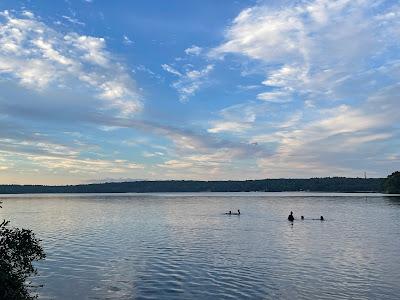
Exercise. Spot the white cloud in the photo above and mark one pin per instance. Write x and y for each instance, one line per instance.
(72, 20)
(91, 48)
(286, 80)
(126, 40)
(326, 145)
(275, 96)
(194, 50)
(176, 164)
(229, 126)
(265, 35)
(292, 120)
(314, 49)
(171, 70)
(84, 166)
(152, 154)
(335, 66)
(190, 81)
(236, 119)
(28, 14)
(39, 57)
(55, 157)
(211, 163)
(49, 148)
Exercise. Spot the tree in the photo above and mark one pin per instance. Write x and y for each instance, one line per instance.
(392, 183)
(18, 249)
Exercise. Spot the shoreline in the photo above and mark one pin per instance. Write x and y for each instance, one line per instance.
(217, 194)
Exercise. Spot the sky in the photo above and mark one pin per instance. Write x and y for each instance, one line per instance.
(96, 90)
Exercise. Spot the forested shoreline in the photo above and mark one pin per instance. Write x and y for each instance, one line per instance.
(327, 184)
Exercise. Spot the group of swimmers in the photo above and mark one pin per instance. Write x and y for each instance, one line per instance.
(231, 213)
(291, 217)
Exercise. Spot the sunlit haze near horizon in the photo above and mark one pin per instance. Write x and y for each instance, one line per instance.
(123, 90)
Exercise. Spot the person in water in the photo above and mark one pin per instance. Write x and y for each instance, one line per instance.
(322, 218)
(238, 211)
(302, 217)
(290, 217)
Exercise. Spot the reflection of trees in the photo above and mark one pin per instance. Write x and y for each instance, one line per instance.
(393, 200)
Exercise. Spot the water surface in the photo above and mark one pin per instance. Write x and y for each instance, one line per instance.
(182, 246)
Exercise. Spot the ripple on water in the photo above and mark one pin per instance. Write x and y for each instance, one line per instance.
(133, 247)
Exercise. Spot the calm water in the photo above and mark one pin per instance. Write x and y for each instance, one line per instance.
(181, 246)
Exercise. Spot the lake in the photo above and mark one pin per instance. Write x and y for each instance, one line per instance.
(182, 246)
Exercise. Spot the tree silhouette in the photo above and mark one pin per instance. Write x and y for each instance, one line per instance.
(18, 249)
(392, 183)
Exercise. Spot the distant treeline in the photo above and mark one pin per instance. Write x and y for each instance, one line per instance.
(328, 184)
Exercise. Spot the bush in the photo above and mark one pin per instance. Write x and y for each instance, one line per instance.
(392, 183)
(18, 249)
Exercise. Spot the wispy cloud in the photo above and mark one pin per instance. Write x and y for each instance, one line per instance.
(229, 126)
(73, 21)
(275, 96)
(39, 57)
(171, 70)
(189, 81)
(306, 88)
(236, 119)
(325, 64)
(126, 40)
(191, 147)
(301, 44)
(194, 50)
(35, 151)
(344, 140)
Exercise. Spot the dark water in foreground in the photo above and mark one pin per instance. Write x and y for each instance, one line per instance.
(181, 246)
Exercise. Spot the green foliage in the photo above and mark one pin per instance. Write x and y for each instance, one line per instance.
(392, 183)
(18, 249)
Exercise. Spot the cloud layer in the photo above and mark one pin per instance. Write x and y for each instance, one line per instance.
(39, 57)
(291, 89)
(333, 66)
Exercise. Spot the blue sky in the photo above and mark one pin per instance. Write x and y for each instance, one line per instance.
(116, 90)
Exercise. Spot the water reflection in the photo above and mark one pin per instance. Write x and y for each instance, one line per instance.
(184, 247)
(394, 200)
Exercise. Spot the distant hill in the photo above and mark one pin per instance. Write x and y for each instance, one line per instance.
(327, 184)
